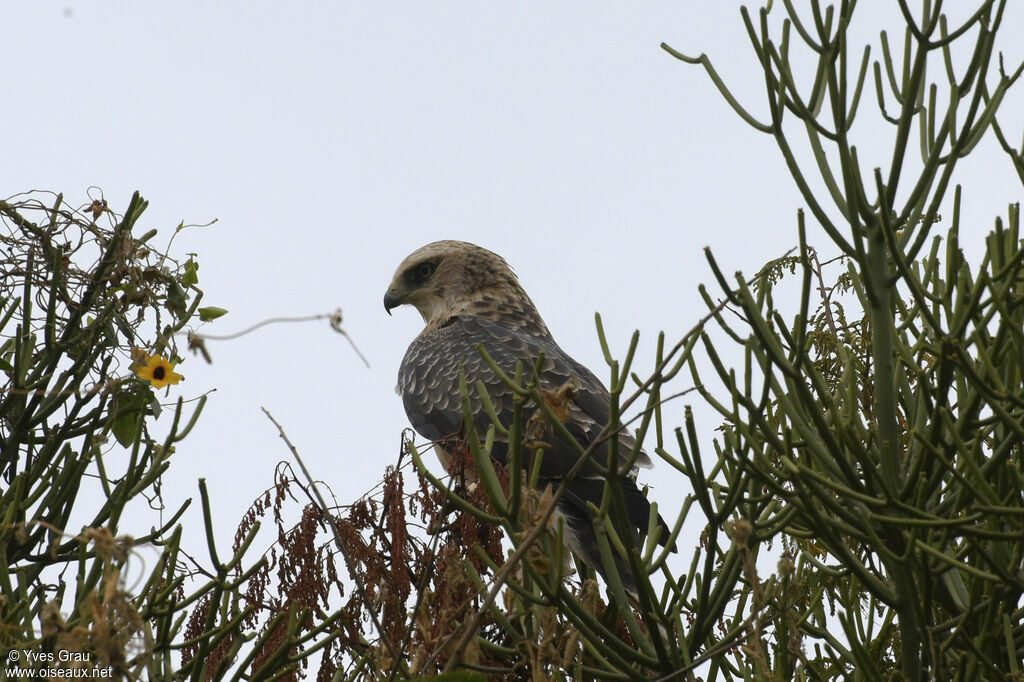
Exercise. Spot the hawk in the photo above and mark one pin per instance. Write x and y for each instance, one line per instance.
(470, 297)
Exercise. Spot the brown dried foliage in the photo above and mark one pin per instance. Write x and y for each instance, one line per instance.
(395, 563)
(410, 558)
(194, 627)
(287, 594)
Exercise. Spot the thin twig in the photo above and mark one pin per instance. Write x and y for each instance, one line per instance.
(264, 323)
(826, 294)
(334, 318)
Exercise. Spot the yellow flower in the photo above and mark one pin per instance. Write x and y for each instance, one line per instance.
(158, 371)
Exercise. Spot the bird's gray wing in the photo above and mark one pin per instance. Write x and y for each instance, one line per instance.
(429, 384)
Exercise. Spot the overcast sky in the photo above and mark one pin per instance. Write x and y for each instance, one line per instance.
(330, 140)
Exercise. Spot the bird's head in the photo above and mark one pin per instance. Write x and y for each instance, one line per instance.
(449, 278)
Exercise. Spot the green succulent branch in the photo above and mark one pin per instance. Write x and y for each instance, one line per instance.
(881, 464)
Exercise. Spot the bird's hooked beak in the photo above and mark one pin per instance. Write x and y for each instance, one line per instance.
(392, 299)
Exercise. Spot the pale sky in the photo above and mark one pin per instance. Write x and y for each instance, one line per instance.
(330, 140)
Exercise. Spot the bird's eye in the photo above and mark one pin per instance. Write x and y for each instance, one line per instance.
(424, 271)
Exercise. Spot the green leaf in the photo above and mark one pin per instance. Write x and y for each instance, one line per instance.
(211, 313)
(126, 428)
(191, 276)
(176, 300)
(126, 409)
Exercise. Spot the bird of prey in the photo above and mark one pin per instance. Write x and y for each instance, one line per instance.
(469, 296)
